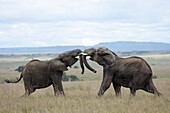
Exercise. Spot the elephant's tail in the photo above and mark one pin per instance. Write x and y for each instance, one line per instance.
(8, 81)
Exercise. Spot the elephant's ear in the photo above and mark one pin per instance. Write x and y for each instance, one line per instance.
(57, 65)
(110, 59)
(107, 56)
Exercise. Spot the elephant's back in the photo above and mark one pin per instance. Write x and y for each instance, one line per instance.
(35, 66)
(131, 67)
(137, 62)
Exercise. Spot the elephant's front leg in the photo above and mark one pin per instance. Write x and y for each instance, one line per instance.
(107, 79)
(58, 89)
(57, 84)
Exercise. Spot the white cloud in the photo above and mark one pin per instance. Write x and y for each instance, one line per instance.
(2, 33)
(81, 33)
(85, 22)
(89, 41)
(91, 10)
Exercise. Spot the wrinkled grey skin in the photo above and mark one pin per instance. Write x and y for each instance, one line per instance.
(41, 74)
(132, 72)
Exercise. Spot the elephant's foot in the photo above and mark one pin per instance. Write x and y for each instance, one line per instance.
(100, 94)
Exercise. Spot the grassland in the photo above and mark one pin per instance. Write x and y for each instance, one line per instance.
(81, 96)
(158, 60)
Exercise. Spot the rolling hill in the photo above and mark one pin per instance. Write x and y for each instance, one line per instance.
(115, 46)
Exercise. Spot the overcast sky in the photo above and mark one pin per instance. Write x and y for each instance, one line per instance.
(35, 23)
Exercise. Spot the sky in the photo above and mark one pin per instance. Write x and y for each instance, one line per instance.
(39, 23)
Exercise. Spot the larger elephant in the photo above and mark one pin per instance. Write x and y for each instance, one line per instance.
(133, 72)
(41, 74)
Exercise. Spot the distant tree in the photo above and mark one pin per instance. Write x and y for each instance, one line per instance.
(75, 67)
(20, 68)
(73, 78)
(154, 76)
(152, 64)
(69, 77)
(65, 77)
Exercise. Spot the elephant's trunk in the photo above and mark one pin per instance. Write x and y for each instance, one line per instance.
(87, 65)
(81, 63)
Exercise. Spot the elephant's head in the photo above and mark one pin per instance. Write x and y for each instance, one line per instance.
(64, 60)
(103, 56)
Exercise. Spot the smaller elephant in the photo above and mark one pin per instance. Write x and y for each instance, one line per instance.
(41, 74)
(133, 72)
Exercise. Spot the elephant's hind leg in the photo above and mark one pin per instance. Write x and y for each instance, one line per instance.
(28, 92)
(28, 89)
(117, 88)
(132, 91)
(150, 87)
(132, 86)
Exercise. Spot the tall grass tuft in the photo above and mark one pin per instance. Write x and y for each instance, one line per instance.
(81, 97)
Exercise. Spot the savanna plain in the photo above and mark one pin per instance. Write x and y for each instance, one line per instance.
(81, 96)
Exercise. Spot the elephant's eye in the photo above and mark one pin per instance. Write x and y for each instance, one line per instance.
(68, 55)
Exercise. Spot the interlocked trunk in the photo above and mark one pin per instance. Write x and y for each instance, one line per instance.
(83, 60)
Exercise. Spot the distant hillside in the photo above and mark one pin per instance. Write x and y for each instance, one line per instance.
(50, 49)
(115, 46)
(135, 46)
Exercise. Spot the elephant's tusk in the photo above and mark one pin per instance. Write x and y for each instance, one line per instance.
(85, 54)
(87, 65)
(81, 64)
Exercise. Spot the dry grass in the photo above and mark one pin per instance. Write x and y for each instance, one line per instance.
(81, 97)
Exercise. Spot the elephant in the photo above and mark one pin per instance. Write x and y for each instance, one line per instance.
(133, 72)
(41, 74)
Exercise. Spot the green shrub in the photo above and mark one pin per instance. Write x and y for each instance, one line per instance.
(65, 77)
(73, 78)
(75, 67)
(69, 77)
(20, 68)
(154, 76)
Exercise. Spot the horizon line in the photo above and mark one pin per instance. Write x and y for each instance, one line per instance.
(83, 45)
